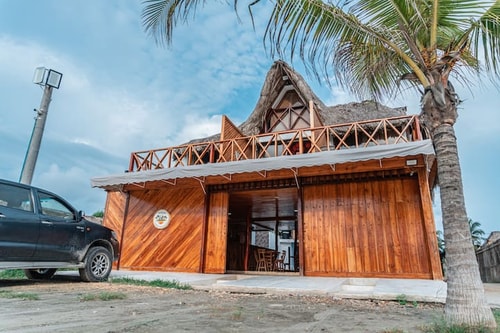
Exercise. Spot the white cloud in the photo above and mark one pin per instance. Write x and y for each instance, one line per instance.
(73, 184)
(203, 126)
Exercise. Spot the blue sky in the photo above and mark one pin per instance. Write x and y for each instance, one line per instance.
(122, 93)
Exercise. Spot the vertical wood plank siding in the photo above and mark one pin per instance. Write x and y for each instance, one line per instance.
(429, 223)
(114, 216)
(114, 212)
(367, 229)
(489, 262)
(175, 248)
(216, 239)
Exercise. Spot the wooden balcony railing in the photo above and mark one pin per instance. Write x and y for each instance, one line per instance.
(300, 141)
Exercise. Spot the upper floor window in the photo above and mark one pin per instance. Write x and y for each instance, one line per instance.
(288, 112)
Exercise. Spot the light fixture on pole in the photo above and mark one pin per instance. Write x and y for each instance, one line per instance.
(49, 79)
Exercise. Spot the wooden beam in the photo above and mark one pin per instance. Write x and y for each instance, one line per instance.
(276, 224)
(274, 218)
(204, 231)
(248, 240)
(429, 224)
(300, 234)
(352, 169)
(124, 222)
(265, 228)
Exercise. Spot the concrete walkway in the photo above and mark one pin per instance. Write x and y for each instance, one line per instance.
(359, 288)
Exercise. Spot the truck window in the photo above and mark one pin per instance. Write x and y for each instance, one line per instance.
(15, 197)
(53, 206)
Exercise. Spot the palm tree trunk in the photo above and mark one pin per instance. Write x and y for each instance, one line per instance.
(465, 301)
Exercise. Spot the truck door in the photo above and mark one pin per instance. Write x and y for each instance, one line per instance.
(62, 234)
(19, 225)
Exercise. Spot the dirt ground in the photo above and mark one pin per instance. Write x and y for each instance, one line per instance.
(62, 307)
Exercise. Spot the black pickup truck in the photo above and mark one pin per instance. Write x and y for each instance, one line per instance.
(41, 232)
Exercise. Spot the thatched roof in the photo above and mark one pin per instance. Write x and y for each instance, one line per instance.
(366, 110)
(282, 74)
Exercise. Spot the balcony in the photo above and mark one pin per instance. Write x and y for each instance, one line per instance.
(388, 131)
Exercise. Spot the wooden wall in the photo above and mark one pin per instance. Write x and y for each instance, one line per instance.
(144, 247)
(375, 228)
(114, 213)
(489, 262)
(215, 253)
(366, 228)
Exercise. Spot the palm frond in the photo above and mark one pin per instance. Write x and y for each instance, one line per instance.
(159, 17)
(368, 45)
(366, 42)
(336, 37)
(477, 233)
(485, 39)
(368, 70)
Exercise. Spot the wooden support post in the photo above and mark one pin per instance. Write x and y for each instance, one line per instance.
(429, 224)
(124, 221)
(300, 234)
(204, 231)
(417, 129)
(312, 123)
(311, 114)
(248, 240)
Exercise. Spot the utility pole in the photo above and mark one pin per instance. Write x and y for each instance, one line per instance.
(49, 79)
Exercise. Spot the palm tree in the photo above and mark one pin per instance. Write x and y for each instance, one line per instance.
(477, 233)
(440, 242)
(373, 48)
(477, 237)
(442, 251)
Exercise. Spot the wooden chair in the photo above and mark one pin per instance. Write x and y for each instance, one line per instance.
(260, 257)
(270, 256)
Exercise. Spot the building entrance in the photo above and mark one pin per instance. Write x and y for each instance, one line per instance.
(263, 231)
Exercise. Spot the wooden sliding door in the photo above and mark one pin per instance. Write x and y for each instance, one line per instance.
(366, 228)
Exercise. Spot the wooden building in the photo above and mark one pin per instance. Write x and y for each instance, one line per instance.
(488, 257)
(298, 188)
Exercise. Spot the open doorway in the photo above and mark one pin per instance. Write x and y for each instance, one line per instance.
(263, 231)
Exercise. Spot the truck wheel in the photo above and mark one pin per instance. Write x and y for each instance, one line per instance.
(39, 274)
(98, 264)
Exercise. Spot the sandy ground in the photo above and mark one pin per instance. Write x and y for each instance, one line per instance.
(61, 308)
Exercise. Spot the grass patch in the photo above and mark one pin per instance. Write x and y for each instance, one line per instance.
(154, 283)
(441, 326)
(20, 295)
(401, 299)
(12, 274)
(104, 296)
(237, 314)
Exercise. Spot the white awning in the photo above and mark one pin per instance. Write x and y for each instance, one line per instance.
(266, 164)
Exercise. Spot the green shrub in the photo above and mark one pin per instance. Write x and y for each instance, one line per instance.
(99, 213)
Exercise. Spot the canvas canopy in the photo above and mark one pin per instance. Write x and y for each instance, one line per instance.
(267, 164)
